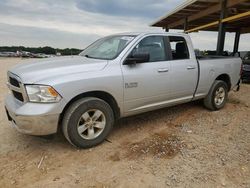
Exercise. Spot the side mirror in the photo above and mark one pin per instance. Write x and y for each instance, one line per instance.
(137, 58)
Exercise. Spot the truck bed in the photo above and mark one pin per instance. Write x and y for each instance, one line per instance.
(210, 67)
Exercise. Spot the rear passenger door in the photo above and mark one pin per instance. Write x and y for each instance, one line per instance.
(184, 69)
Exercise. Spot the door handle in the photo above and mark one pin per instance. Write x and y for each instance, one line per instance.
(190, 67)
(162, 70)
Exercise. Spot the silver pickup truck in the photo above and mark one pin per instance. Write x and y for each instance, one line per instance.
(116, 76)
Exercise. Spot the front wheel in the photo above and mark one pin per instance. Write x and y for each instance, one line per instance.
(87, 122)
(217, 96)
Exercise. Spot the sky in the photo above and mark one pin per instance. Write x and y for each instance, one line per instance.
(77, 23)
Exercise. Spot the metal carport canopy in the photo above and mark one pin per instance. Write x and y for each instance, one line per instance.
(195, 15)
(210, 15)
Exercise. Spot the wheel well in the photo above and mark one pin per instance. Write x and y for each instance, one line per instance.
(98, 94)
(226, 79)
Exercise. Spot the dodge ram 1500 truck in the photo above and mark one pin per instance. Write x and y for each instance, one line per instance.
(116, 76)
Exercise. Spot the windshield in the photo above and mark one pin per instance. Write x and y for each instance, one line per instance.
(107, 47)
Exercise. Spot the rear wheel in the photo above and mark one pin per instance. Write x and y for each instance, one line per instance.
(217, 96)
(87, 122)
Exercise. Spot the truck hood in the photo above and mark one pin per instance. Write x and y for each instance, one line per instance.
(33, 72)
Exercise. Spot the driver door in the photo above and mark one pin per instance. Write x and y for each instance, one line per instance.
(147, 85)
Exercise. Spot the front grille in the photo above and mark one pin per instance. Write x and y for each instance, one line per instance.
(15, 86)
(18, 95)
(14, 82)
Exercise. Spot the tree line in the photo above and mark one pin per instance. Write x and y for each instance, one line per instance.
(44, 50)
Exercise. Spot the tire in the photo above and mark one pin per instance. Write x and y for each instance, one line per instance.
(80, 124)
(212, 101)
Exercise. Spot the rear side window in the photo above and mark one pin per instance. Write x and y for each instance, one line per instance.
(179, 48)
(154, 46)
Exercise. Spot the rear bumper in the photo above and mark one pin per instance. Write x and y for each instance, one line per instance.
(32, 118)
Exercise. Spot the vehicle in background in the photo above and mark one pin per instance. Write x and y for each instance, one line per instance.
(199, 53)
(24, 54)
(246, 67)
(241, 54)
(214, 53)
(8, 54)
(117, 76)
(40, 55)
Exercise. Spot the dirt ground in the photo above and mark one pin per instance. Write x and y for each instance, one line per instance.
(181, 146)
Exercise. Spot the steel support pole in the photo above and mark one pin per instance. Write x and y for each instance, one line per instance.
(185, 28)
(222, 29)
(236, 41)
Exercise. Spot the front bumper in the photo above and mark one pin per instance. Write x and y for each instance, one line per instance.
(33, 118)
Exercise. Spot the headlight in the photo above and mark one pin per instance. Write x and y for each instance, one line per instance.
(42, 93)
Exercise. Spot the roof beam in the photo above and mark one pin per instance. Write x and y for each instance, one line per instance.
(202, 27)
(236, 17)
(205, 12)
(228, 19)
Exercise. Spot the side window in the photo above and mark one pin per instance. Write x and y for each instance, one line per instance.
(154, 46)
(179, 48)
